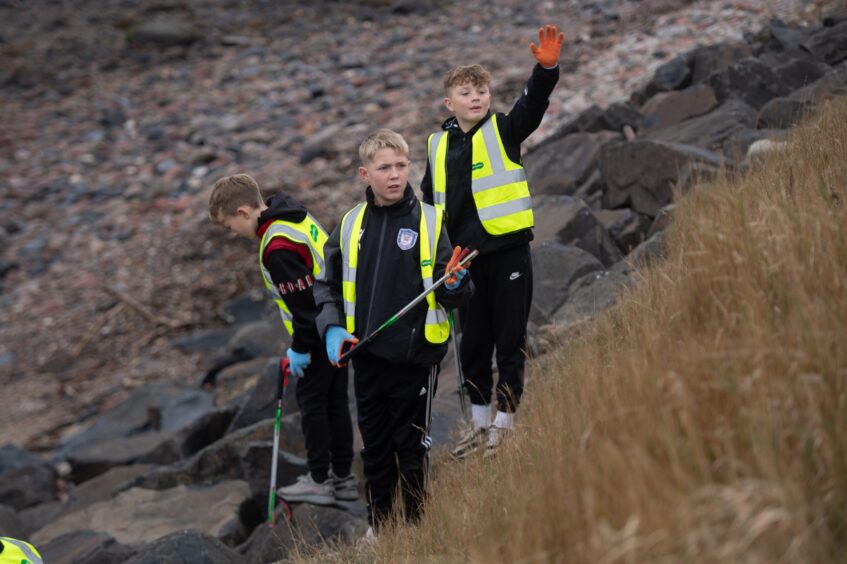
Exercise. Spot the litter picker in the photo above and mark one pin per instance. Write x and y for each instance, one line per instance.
(281, 385)
(460, 377)
(345, 356)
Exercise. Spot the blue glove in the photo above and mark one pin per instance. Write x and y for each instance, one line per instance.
(456, 280)
(337, 339)
(298, 362)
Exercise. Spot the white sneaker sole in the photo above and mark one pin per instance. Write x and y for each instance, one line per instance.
(314, 499)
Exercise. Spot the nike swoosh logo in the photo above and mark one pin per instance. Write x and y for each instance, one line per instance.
(515, 275)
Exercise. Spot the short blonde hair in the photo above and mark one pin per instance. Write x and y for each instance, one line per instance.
(382, 139)
(231, 192)
(469, 74)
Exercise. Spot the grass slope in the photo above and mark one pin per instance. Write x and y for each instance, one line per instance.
(702, 420)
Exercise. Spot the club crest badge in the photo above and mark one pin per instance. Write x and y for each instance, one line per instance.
(406, 239)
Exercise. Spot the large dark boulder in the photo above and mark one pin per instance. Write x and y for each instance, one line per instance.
(571, 222)
(554, 267)
(10, 525)
(669, 108)
(261, 403)
(270, 543)
(25, 479)
(140, 515)
(318, 526)
(715, 59)
(711, 130)
(591, 295)
(188, 547)
(98, 489)
(159, 423)
(673, 75)
(627, 228)
(84, 547)
(750, 80)
(641, 174)
(829, 44)
(560, 166)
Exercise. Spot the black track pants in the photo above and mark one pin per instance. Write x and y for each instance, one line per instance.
(325, 411)
(495, 319)
(394, 402)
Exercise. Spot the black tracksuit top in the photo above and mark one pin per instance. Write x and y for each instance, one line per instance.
(463, 222)
(388, 278)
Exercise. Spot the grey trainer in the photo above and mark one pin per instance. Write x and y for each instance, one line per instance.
(471, 441)
(496, 436)
(346, 489)
(305, 489)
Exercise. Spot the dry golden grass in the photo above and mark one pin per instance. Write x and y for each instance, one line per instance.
(704, 419)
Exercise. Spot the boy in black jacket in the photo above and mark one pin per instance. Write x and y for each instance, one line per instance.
(474, 172)
(385, 252)
(291, 255)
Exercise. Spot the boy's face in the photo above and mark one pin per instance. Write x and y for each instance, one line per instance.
(243, 223)
(468, 102)
(387, 173)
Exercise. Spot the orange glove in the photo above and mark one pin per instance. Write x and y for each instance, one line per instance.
(549, 43)
(454, 271)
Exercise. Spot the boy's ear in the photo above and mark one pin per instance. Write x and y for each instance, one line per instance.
(363, 174)
(449, 103)
(243, 211)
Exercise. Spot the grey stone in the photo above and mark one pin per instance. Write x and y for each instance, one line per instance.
(627, 228)
(270, 543)
(25, 479)
(644, 255)
(735, 147)
(261, 404)
(558, 167)
(829, 44)
(260, 338)
(750, 80)
(591, 295)
(257, 467)
(571, 222)
(327, 525)
(188, 547)
(641, 173)
(154, 414)
(84, 547)
(669, 108)
(554, 267)
(140, 515)
(782, 113)
(163, 32)
(673, 75)
(715, 59)
(10, 525)
(710, 131)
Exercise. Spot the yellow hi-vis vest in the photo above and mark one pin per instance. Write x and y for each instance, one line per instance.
(499, 186)
(308, 232)
(19, 552)
(436, 327)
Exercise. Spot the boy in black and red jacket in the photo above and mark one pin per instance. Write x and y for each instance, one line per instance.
(290, 258)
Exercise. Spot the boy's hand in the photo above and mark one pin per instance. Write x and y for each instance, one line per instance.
(455, 271)
(298, 362)
(549, 43)
(338, 341)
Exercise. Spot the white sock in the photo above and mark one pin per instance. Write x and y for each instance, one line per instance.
(481, 416)
(504, 420)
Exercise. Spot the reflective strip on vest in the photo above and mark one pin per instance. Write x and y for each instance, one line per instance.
(437, 153)
(308, 232)
(436, 326)
(26, 550)
(498, 184)
(352, 222)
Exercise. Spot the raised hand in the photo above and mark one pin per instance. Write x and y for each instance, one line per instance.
(549, 44)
